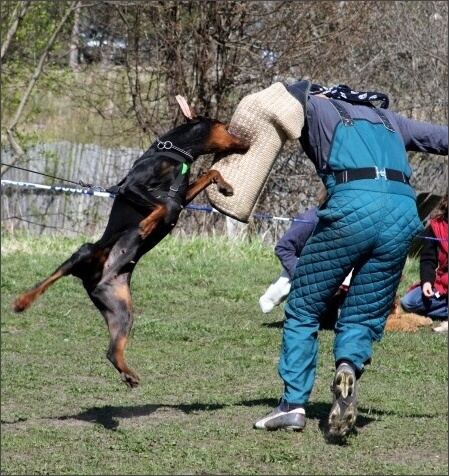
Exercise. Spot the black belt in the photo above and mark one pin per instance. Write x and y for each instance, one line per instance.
(370, 173)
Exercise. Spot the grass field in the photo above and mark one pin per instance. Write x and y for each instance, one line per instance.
(207, 358)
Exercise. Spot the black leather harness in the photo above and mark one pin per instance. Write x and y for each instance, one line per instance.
(174, 187)
(180, 155)
(133, 185)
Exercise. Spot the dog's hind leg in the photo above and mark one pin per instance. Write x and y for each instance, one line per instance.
(112, 297)
(88, 256)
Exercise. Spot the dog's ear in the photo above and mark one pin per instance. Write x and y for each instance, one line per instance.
(189, 112)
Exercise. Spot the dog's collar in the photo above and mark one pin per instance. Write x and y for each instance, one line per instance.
(167, 145)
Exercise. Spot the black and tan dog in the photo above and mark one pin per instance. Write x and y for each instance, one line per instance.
(146, 208)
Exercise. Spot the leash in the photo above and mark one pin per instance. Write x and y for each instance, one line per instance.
(97, 188)
(161, 146)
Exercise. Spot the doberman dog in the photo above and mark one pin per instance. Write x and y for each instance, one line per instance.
(146, 208)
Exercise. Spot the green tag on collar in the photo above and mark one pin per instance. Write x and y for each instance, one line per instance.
(184, 169)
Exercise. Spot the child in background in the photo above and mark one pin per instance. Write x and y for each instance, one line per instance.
(429, 296)
(288, 249)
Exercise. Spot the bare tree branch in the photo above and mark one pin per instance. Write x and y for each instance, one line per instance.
(40, 67)
(18, 14)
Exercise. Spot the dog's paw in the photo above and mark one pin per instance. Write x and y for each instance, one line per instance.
(130, 380)
(21, 303)
(18, 306)
(225, 190)
(142, 232)
(145, 228)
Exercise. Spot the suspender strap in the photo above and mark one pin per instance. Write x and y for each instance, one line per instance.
(344, 115)
(348, 121)
(384, 119)
(370, 173)
(348, 175)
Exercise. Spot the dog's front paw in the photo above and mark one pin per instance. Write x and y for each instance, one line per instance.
(225, 189)
(146, 227)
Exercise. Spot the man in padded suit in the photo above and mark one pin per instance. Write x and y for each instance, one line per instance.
(367, 224)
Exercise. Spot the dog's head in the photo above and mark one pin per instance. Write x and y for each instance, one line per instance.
(202, 135)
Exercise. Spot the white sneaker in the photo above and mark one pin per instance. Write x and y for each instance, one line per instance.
(441, 327)
(276, 293)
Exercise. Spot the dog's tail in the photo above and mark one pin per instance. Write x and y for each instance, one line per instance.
(25, 300)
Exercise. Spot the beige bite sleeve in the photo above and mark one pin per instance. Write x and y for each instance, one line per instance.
(267, 119)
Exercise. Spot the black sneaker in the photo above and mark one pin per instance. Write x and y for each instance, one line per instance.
(284, 417)
(343, 413)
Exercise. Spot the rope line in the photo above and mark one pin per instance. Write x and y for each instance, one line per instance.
(205, 208)
(92, 192)
(40, 173)
(59, 188)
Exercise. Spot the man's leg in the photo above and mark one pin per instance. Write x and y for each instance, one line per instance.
(316, 280)
(366, 308)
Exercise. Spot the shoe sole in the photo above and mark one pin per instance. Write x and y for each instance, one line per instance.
(343, 413)
(284, 428)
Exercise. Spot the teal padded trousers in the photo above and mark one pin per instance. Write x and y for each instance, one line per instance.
(370, 231)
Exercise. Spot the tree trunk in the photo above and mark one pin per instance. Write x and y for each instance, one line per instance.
(74, 40)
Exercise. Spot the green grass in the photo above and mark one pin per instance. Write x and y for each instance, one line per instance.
(207, 358)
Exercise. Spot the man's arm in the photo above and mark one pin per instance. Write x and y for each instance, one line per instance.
(423, 136)
(291, 243)
(428, 259)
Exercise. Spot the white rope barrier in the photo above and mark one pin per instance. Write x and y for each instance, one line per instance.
(92, 192)
(58, 188)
